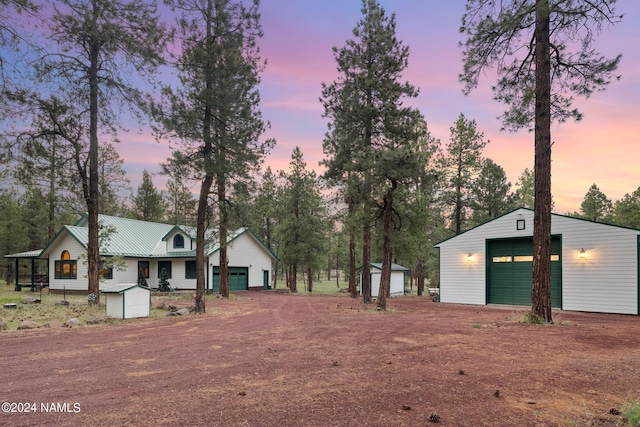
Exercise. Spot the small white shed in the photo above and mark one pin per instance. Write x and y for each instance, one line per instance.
(127, 301)
(397, 279)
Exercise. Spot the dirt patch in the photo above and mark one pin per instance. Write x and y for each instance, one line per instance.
(270, 359)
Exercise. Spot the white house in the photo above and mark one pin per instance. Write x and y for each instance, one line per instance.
(396, 287)
(594, 266)
(148, 247)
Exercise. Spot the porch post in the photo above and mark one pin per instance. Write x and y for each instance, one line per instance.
(17, 288)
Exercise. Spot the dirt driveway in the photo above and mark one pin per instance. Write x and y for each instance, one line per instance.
(270, 359)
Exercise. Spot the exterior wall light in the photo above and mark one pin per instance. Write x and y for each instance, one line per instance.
(469, 257)
(582, 255)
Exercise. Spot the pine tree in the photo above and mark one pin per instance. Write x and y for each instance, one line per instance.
(491, 193)
(101, 45)
(596, 206)
(214, 112)
(364, 106)
(543, 53)
(302, 229)
(461, 166)
(148, 204)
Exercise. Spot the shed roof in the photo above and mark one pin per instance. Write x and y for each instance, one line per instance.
(118, 289)
(394, 266)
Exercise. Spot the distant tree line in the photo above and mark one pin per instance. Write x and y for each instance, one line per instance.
(389, 190)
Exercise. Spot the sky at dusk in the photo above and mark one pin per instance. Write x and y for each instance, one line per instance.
(604, 148)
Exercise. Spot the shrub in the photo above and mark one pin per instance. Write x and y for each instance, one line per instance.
(141, 279)
(532, 318)
(163, 283)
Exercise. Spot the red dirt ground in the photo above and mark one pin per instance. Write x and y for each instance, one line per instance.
(271, 359)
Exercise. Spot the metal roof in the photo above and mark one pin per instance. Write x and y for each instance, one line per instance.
(118, 289)
(28, 254)
(394, 266)
(143, 239)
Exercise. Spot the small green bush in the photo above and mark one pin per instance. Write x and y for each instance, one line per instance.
(532, 318)
(163, 283)
(631, 413)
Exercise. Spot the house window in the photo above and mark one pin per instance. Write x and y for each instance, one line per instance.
(143, 267)
(164, 265)
(66, 268)
(189, 269)
(178, 241)
(106, 272)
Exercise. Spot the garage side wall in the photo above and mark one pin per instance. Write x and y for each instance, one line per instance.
(463, 277)
(244, 251)
(606, 279)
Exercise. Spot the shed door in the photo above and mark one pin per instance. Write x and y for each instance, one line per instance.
(510, 271)
(238, 279)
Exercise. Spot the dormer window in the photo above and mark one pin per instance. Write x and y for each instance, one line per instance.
(178, 241)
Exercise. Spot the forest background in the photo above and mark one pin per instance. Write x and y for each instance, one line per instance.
(37, 198)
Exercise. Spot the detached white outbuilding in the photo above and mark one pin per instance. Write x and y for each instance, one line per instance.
(127, 301)
(594, 266)
(398, 275)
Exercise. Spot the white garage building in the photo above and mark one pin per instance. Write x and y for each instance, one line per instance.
(594, 266)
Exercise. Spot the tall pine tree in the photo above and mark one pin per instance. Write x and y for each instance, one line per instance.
(364, 105)
(543, 53)
(213, 112)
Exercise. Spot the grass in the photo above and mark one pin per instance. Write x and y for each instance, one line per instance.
(48, 311)
(631, 413)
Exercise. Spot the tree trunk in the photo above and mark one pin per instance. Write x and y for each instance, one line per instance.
(275, 274)
(293, 278)
(205, 187)
(420, 277)
(385, 276)
(541, 288)
(310, 278)
(93, 248)
(458, 207)
(353, 286)
(366, 262)
(223, 230)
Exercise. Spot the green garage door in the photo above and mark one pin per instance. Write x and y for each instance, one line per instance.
(238, 279)
(510, 270)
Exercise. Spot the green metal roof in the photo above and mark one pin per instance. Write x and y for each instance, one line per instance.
(143, 239)
(394, 266)
(130, 238)
(118, 289)
(28, 254)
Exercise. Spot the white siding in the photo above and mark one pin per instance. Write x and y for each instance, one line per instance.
(114, 306)
(132, 303)
(137, 303)
(607, 281)
(396, 286)
(244, 251)
(75, 249)
(178, 272)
